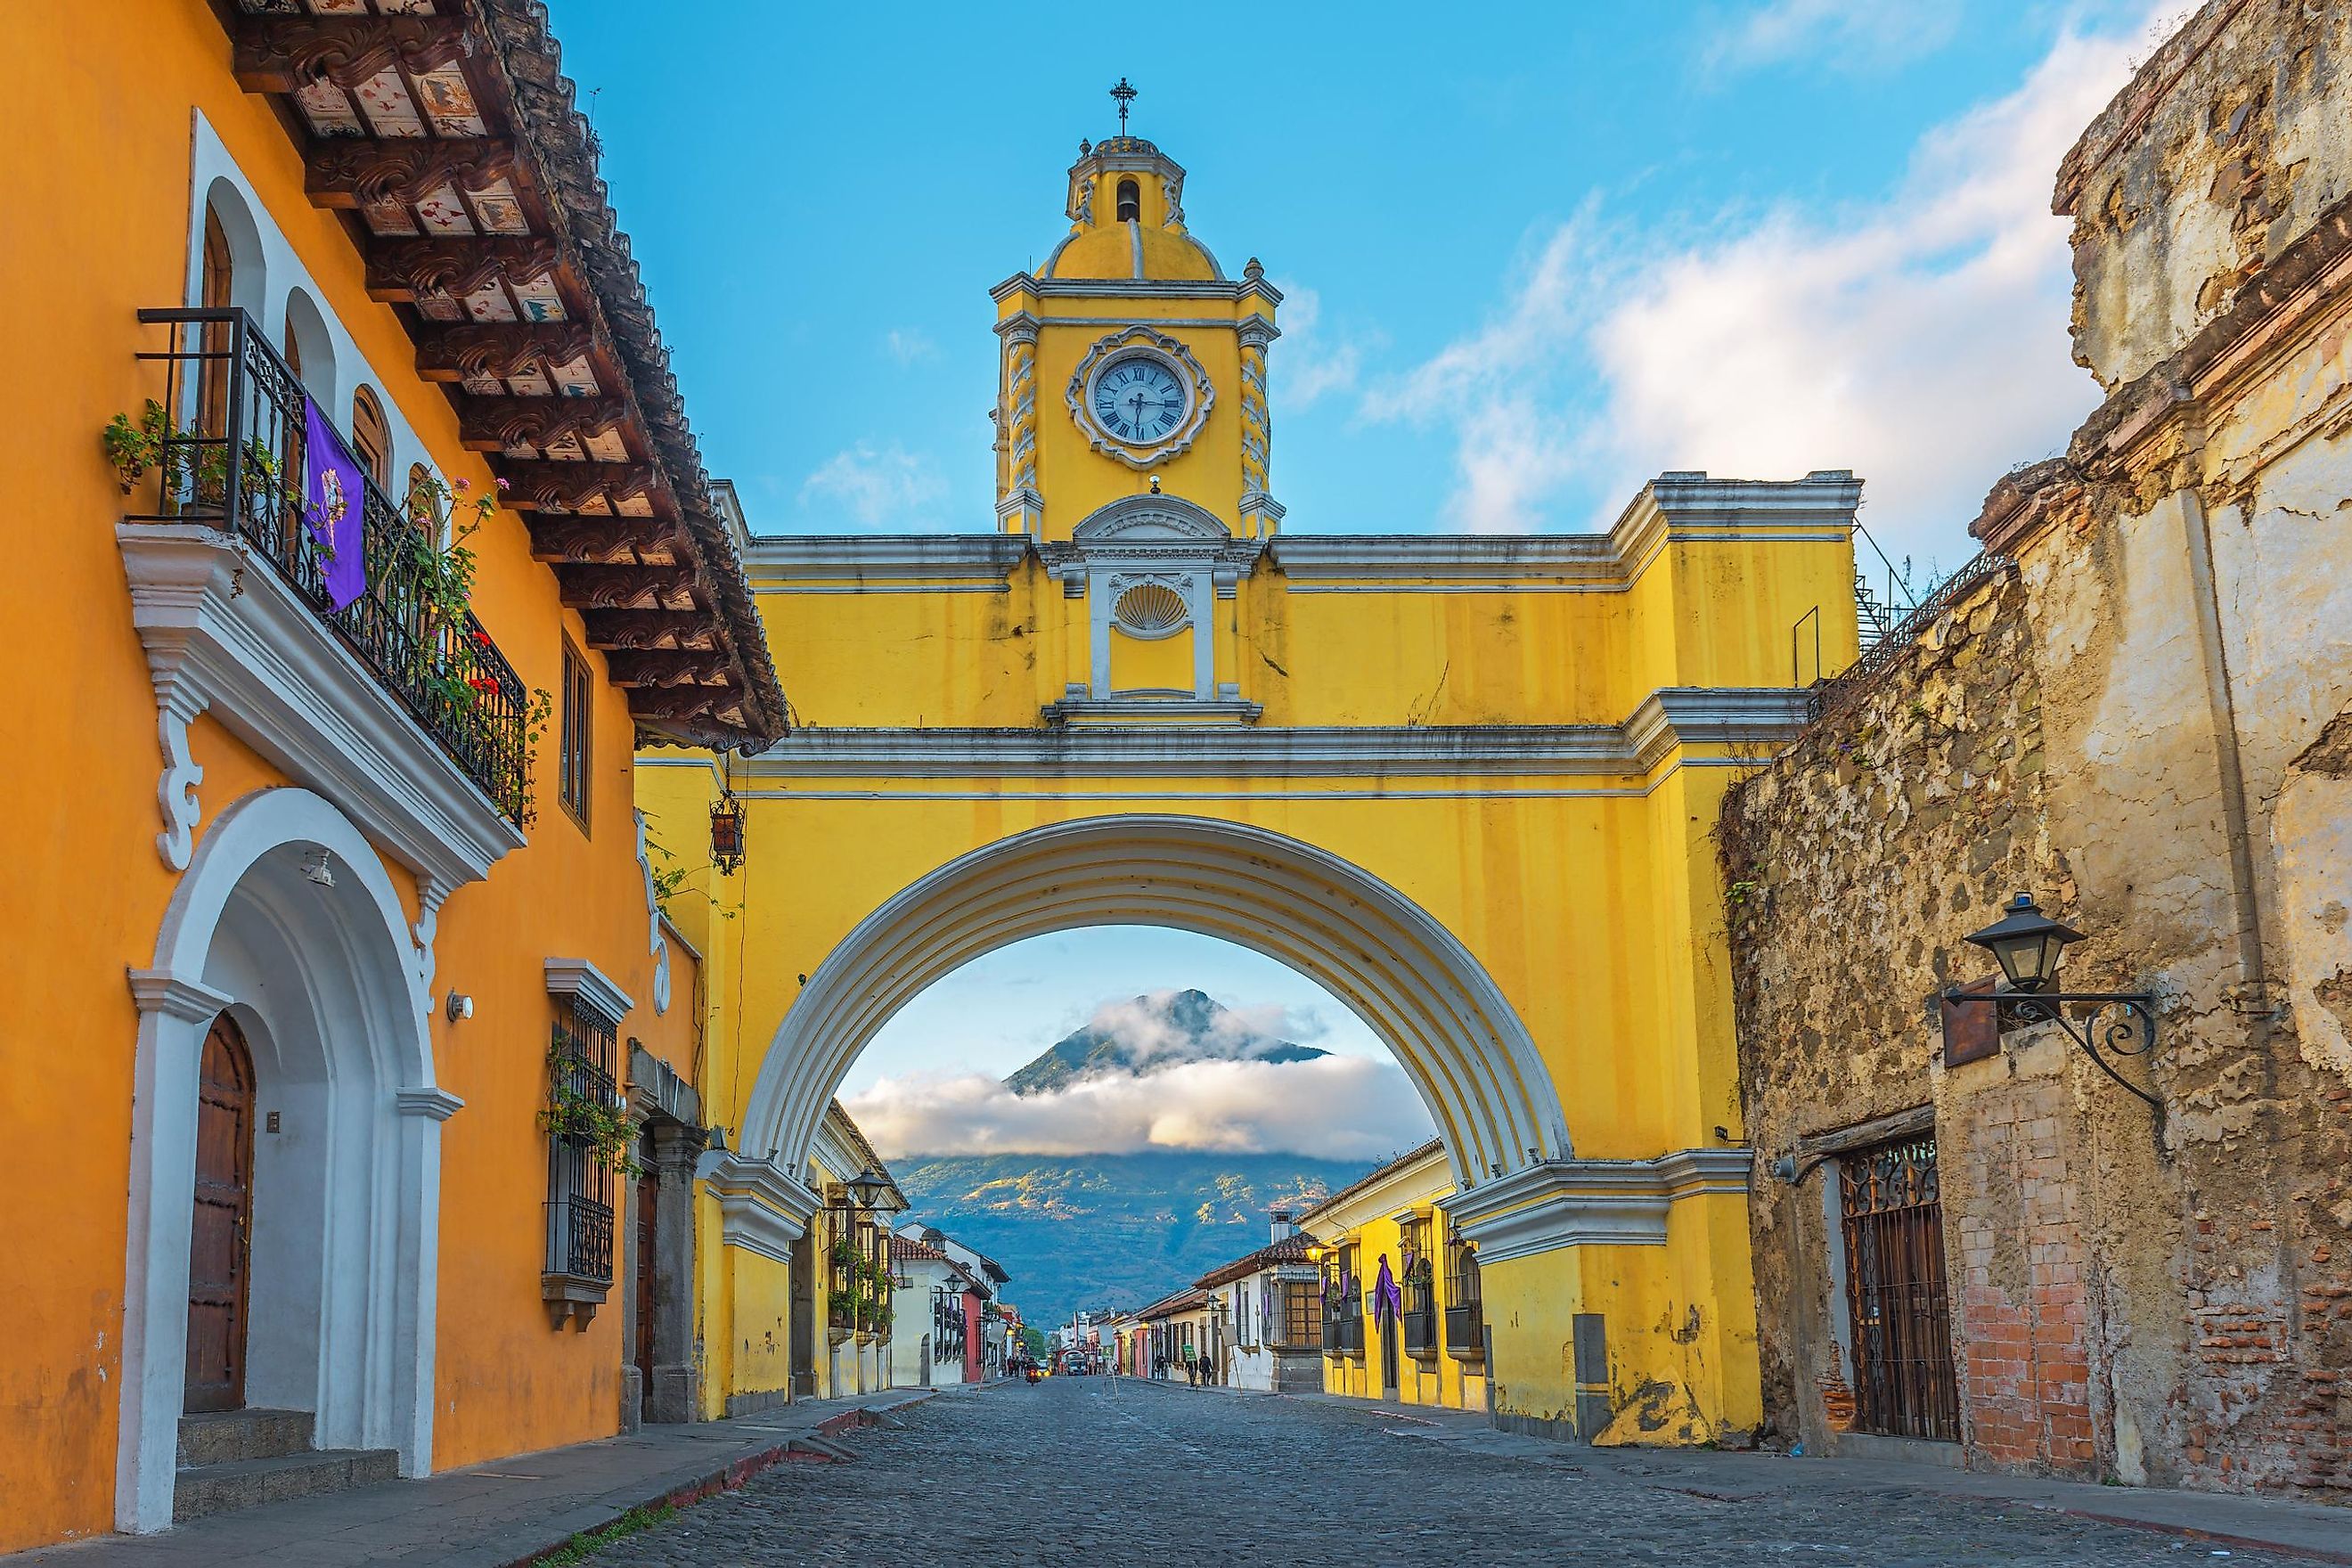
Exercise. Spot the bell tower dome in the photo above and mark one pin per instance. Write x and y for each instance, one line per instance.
(1127, 217)
(1131, 365)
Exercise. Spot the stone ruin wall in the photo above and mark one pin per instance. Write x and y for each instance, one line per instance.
(2149, 723)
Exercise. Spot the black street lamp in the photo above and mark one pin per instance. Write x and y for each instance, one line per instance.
(2028, 944)
(867, 1187)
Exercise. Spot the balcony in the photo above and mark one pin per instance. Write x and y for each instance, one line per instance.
(1421, 1331)
(417, 728)
(1466, 1331)
(1343, 1334)
(237, 467)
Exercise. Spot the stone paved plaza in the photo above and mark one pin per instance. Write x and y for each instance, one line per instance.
(1089, 1470)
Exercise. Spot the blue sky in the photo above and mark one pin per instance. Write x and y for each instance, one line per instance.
(1533, 253)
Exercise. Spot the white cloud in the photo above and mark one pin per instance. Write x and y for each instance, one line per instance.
(1921, 342)
(878, 485)
(1310, 363)
(1338, 1108)
(1842, 34)
(907, 345)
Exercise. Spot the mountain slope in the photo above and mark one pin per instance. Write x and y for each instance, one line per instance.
(1111, 1230)
(1150, 1034)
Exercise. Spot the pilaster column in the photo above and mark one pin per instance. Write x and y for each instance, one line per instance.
(677, 1393)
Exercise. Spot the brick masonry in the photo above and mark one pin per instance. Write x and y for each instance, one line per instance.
(2145, 718)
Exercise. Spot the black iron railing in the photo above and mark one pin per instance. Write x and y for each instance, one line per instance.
(1893, 641)
(231, 439)
(1421, 1331)
(1466, 1331)
(579, 1185)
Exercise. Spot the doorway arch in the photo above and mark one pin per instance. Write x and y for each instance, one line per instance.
(287, 920)
(1411, 980)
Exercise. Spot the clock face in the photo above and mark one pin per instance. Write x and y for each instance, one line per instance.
(1139, 400)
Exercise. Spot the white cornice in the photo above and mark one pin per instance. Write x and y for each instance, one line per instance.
(1665, 721)
(1592, 1202)
(578, 978)
(760, 1209)
(223, 633)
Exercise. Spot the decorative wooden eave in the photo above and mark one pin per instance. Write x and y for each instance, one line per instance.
(445, 130)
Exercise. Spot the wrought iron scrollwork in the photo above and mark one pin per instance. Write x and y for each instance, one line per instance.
(2115, 1024)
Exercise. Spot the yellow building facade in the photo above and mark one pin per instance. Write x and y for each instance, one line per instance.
(308, 915)
(1423, 1340)
(1465, 783)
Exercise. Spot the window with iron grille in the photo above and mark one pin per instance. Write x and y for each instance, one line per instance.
(1417, 1288)
(1466, 1315)
(574, 761)
(947, 1324)
(580, 1184)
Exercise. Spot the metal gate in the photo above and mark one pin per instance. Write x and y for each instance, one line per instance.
(1893, 1221)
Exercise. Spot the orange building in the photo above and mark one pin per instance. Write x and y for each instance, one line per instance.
(338, 990)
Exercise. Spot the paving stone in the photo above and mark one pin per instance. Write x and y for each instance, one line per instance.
(1096, 1470)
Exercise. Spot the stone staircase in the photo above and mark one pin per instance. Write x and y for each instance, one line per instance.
(243, 1458)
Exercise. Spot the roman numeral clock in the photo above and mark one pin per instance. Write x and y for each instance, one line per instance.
(1140, 396)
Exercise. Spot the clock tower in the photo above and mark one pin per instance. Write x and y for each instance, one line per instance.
(1131, 365)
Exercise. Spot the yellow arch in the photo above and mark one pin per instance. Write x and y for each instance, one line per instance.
(1410, 979)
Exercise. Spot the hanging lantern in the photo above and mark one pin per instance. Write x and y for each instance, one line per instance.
(727, 833)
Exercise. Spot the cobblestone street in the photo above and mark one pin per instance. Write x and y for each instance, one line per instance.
(1087, 1470)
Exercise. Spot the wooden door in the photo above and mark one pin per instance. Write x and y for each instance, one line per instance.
(648, 1200)
(223, 1217)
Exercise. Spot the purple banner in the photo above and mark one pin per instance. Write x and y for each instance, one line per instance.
(1388, 1301)
(336, 509)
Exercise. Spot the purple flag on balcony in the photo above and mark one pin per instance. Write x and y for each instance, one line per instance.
(335, 507)
(1388, 1301)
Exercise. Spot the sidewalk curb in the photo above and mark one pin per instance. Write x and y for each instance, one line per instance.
(2215, 1537)
(731, 1476)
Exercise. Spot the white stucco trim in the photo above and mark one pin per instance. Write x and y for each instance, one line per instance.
(578, 978)
(225, 634)
(375, 1334)
(762, 1208)
(1410, 979)
(1593, 1202)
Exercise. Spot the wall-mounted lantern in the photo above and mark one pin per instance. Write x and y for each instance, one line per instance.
(727, 833)
(2028, 945)
(867, 1188)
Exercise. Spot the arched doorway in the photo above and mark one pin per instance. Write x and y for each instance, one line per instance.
(287, 933)
(1409, 978)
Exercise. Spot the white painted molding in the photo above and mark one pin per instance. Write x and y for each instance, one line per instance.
(223, 633)
(177, 995)
(658, 948)
(760, 1209)
(583, 982)
(1666, 720)
(434, 1104)
(1592, 1202)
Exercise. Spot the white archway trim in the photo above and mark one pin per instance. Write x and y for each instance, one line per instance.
(1410, 979)
(362, 931)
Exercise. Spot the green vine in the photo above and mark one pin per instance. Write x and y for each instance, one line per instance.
(598, 1125)
(155, 444)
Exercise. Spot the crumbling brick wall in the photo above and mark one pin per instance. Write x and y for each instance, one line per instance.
(2162, 748)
